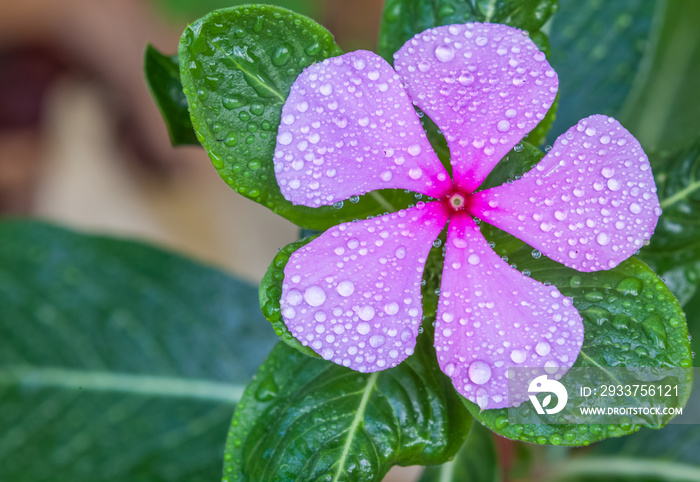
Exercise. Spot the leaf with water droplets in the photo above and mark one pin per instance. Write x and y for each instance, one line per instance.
(163, 78)
(630, 319)
(270, 294)
(307, 419)
(403, 19)
(237, 67)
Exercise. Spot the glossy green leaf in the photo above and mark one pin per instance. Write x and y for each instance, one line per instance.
(270, 293)
(674, 252)
(476, 461)
(517, 162)
(308, 419)
(237, 66)
(402, 19)
(118, 361)
(669, 455)
(163, 79)
(630, 319)
(597, 49)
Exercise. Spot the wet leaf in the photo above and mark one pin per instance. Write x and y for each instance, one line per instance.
(630, 319)
(270, 293)
(308, 419)
(118, 361)
(237, 66)
(163, 79)
(403, 19)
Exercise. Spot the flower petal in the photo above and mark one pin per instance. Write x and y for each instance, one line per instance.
(353, 294)
(349, 128)
(485, 85)
(492, 317)
(589, 204)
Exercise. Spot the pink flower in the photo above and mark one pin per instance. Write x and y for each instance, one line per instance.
(349, 127)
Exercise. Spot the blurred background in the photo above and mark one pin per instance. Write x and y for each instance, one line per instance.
(82, 143)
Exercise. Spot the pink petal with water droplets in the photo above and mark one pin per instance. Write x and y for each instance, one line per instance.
(492, 317)
(348, 128)
(589, 204)
(354, 295)
(485, 85)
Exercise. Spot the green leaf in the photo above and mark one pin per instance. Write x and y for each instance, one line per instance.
(163, 79)
(402, 19)
(118, 361)
(630, 319)
(270, 293)
(597, 49)
(237, 66)
(308, 419)
(517, 162)
(476, 461)
(674, 252)
(670, 454)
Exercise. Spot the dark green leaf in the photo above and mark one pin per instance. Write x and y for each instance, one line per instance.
(403, 19)
(163, 79)
(476, 461)
(597, 49)
(630, 319)
(237, 67)
(118, 361)
(674, 252)
(669, 455)
(308, 419)
(521, 159)
(270, 293)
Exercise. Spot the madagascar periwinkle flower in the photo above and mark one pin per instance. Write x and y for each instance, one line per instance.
(349, 127)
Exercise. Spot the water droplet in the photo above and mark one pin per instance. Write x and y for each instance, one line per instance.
(281, 56)
(603, 239)
(503, 125)
(445, 53)
(518, 356)
(415, 173)
(473, 259)
(536, 253)
(375, 341)
(294, 297)
(314, 295)
(366, 313)
(543, 348)
(479, 372)
(363, 328)
(391, 308)
(466, 79)
(346, 288)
